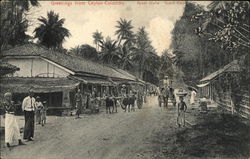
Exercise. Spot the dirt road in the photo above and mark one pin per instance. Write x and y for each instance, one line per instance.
(102, 136)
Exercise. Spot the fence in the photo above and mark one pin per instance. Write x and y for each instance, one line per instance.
(239, 104)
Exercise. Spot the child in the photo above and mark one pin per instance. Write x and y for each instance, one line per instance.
(43, 113)
(182, 107)
(39, 106)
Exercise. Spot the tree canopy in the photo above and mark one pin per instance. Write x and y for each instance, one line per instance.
(14, 23)
(51, 32)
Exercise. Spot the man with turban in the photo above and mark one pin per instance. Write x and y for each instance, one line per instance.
(12, 130)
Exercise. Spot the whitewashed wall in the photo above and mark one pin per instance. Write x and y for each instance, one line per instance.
(36, 66)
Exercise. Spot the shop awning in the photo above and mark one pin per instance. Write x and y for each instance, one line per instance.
(91, 80)
(202, 85)
(39, 85)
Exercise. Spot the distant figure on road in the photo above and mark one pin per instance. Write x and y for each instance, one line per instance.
(109, 103)
(84, 100)
(44, 113)
(39, 106)
(193, 95)
(78, 99)
(160, 97)
(182, 107)
(28, 107)
(11, 126)
(166, 96)
(172, 96)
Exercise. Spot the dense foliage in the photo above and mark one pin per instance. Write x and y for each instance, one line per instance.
(13, 22)
(196, 54)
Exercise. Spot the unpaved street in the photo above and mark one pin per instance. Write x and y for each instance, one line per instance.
(110, 136)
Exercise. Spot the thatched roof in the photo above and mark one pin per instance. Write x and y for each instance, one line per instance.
(39, 85)
(6, 68)
(73, 63)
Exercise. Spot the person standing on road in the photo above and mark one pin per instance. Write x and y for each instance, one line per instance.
(84, 101)
(166, 96)
(193, 95)
(38, 106)
(28, 106)
(160, 97)
(172, 96)
(11, 126)
(44, 113)
(78, 99)
(182, 107)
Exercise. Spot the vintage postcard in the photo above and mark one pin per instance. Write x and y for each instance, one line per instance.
(124, 79)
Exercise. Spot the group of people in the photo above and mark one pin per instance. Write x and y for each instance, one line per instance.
(31, 107)
(167, 93)
(93, 101)
(83, 101)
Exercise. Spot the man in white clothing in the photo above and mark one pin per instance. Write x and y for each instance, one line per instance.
(11, 126)
(28, 107)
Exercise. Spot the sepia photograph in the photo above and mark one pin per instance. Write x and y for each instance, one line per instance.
(124, 79)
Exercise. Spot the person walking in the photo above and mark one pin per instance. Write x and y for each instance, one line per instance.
(78, 99)
(28, 106)
(12, 130)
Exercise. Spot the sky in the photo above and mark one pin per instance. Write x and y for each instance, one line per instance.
(82, 18)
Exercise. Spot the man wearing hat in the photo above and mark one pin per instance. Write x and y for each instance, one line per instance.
(28, 106)
(11, 126)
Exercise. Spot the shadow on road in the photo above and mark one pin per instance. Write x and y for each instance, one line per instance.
(216, 135)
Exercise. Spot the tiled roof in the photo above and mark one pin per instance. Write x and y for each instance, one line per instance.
(76, 64)
(231, 67)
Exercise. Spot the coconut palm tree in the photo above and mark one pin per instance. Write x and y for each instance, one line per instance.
(97, 37)
(108, 52)
(51, 32)
(124, 30)
(126, 57)
(141, 49)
